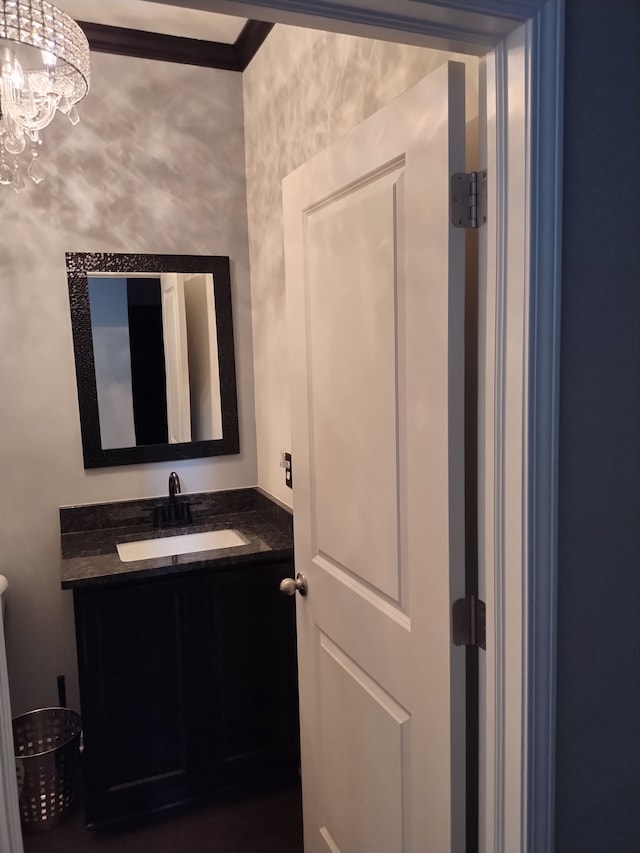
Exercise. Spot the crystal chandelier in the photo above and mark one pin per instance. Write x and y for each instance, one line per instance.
(44, 68)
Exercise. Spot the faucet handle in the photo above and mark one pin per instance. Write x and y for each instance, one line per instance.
(173, 514)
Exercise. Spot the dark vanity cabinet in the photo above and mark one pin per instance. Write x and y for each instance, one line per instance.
(253, 700)
(188, 687)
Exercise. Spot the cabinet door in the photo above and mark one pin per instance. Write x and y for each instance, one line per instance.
(253, 677)
(139, 672)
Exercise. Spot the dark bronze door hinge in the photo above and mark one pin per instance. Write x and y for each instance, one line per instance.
(470, 622)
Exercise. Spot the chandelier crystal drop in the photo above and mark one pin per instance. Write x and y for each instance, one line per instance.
(44, 69)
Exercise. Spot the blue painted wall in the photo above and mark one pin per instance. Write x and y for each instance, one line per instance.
(598, 723)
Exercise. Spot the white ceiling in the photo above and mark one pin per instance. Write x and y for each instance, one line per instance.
(155, 18)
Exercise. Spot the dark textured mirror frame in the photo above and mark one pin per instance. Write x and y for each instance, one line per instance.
(79, 266)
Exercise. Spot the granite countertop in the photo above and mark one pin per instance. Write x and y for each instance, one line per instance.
(89, 535)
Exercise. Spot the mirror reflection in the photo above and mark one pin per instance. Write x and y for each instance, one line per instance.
(155, 370)
(156, 358)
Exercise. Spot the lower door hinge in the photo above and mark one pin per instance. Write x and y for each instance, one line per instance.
(470, 622)
(468, 201)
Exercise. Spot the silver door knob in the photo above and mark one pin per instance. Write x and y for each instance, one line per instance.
(289, 586)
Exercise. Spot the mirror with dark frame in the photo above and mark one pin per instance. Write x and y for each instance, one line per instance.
(154, 353)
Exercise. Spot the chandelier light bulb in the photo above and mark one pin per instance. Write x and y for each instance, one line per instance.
(12, 73)
(17, 76)
(49, 59)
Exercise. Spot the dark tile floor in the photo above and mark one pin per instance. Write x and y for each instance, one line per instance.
(263, 823)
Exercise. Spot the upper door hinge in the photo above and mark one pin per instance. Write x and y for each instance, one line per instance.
(470, 622)
(469, 199)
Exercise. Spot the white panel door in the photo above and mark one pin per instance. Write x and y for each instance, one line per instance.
(375, 296)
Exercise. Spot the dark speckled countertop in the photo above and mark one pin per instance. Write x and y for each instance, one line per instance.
(89, 535)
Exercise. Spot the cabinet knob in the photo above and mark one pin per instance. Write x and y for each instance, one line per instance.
(289, 586)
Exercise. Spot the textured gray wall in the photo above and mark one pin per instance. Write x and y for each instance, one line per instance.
(598, 721)
(302, 90)
(155, 165)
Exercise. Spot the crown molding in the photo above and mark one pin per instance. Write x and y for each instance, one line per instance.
(166, 48)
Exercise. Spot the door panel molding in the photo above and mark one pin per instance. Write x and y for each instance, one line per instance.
(374, 716)
(343, 237)
(372, 595)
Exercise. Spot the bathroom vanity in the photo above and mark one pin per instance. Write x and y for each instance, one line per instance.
(187, 661)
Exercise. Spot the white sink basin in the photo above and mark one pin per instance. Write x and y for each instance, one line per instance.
(187, 543)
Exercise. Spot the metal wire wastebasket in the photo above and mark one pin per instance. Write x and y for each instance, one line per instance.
(47, 752)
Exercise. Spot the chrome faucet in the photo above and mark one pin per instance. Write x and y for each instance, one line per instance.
(174, 486)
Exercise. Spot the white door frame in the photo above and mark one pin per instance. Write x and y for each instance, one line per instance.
(518, 425)
(522, 45)
(10, 829)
